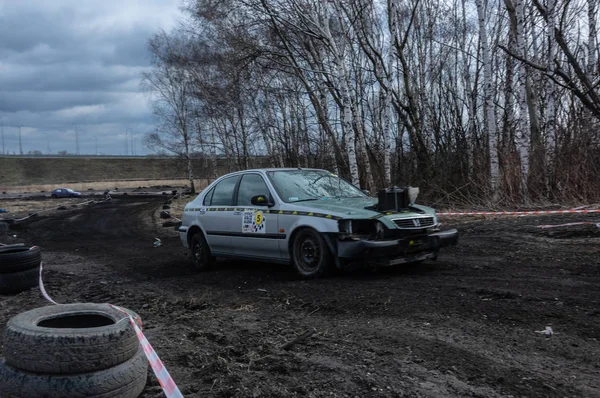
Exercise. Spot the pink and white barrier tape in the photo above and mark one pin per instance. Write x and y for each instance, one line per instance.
(515, 213)
(42, 288)
(164, 378)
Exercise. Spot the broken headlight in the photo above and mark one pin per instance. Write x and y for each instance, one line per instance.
(364, 229)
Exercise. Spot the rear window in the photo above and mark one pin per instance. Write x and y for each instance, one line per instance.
(208, 197)
(223, 192)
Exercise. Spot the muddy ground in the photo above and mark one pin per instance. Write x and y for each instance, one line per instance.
(462, 326)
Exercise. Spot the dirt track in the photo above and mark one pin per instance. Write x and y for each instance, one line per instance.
(462, 326)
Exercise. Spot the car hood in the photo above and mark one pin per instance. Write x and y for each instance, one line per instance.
(352, 208)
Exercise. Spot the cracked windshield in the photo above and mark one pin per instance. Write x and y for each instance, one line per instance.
(307, 185)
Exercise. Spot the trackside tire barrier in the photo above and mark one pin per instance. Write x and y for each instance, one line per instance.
(126, 380)
(16, 282)
(15, 258)
(69, 338)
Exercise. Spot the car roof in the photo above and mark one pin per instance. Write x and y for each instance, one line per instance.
(268, 169)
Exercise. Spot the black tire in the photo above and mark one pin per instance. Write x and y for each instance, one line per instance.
(10, 247)
(69, 338)
(126, 380)
(200, 251)
(16, 282)
(310, 254)
(19, 258)
(54, 196)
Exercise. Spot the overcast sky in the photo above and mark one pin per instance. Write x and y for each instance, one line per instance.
(68, 65)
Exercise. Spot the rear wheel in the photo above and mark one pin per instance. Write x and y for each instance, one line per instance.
(54, 196)
(310, 254)
(201, 256)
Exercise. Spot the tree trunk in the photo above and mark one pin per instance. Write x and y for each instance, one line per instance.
(523, 132)
(342, 80)
(490, 118)
(592, 44)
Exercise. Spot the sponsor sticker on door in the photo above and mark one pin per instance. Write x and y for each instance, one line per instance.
(253, 221)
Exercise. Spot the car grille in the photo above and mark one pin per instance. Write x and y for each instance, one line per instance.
(414, 223)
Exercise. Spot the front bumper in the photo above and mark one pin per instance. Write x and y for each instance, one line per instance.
(396, 251)
(183, 235)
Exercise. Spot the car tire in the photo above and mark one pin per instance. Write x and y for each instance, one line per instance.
(14, 258)
(54, 196)
(69, 338)
(201, 257)
(15, 282)
(126, 380)
(310, 254)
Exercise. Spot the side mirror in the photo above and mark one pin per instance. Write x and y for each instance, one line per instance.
(261, 200)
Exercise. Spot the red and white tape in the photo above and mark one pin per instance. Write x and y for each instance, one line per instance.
(516, 213)
(42, 288)
(162, 374)
(164, 378)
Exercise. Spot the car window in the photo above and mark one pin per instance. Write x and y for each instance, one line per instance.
(251, 185)
(302, 185)
(223, 192)
(208, 197)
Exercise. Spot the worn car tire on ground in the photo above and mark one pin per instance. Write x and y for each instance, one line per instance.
(201, 255)
(310, 254)
(15, 282)
(69, 338)
(126, 380)
(16, 258)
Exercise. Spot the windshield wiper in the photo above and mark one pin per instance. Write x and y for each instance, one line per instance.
(305, 200)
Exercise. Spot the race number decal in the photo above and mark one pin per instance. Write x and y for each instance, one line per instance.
(253, 221)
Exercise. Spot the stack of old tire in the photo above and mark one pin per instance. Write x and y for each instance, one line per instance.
(19, 267)
(72, 351)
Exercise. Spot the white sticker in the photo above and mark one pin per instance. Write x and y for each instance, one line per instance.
(253, 222)
(292, 199)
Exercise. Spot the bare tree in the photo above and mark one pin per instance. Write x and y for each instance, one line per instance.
(170, 93)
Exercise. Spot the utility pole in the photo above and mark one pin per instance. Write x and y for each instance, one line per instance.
(132, 142)
(96, 139)
(76, 140)
(2, 126)
(126, 143)
(47, 144)
(20, 142)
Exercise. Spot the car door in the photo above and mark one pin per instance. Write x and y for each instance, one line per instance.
(258, 234)
(217, 218)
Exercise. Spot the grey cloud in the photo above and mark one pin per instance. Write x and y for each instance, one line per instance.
(71, 61)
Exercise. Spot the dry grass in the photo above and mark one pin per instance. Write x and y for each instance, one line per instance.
(20, 208)
(178, 204)
(101, 185)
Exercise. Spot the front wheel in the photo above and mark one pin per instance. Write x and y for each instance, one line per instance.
(310, 254)
(201, 257)
(54, 196)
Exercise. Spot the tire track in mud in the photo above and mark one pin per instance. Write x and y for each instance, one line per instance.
(119, 219)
